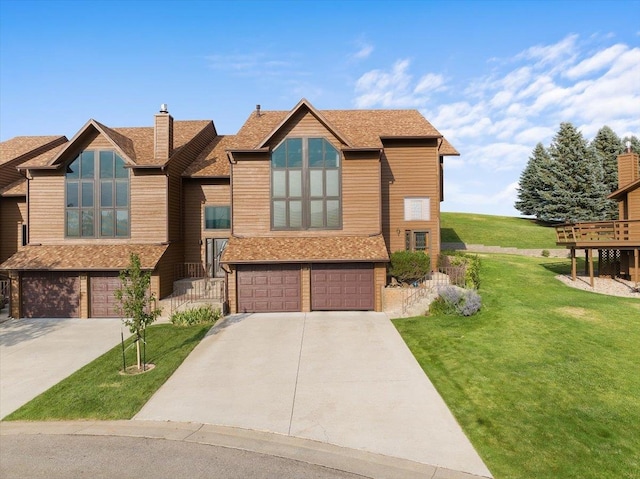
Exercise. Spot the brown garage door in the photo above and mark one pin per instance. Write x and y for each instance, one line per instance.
(50, 295)
(103, 301)
(342, 287)
(265, 288)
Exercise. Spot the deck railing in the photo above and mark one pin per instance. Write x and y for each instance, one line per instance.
(4, 292)
(449, 275)
(209, 289)
(598, 231)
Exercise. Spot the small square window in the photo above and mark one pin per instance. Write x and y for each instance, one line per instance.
(217, 217)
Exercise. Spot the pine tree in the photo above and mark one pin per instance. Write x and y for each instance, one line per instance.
(533, 181)
(635, 143)
(576, 177)
(607, 146)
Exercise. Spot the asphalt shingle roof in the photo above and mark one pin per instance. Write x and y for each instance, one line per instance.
(305, 249)
(83, 257)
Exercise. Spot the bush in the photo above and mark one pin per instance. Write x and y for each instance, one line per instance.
(453, 300)
(409, 266)
(191, 317)
(545, 253)
(471, 267)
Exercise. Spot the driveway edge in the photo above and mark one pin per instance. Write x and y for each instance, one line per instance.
(354, 461)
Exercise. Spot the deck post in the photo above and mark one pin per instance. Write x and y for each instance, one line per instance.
(574, 265)
(586, 260)
(636, 261)
(590, 256)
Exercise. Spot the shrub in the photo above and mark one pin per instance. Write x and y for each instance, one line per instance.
(545, 253)
(409, 266)
(190, 317)
(453, 300)
(470, 269)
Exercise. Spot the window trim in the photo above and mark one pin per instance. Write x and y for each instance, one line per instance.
(305, 198)
(410, 240)
(204, 217)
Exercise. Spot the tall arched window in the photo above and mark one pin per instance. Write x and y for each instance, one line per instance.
(97, 196)
(305, 185)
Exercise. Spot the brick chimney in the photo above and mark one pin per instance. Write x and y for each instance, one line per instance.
(627, 167)
(163, 134)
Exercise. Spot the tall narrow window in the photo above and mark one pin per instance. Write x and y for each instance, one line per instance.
(97, 196)
(305, 185)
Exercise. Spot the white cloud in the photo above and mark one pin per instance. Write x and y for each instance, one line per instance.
(597, 62)
(364, 51)
(429, 82)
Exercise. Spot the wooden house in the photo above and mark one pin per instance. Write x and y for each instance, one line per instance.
(616, 242)
(298, 211)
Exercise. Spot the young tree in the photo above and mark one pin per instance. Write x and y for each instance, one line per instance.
(578, 192)
(136, 303)
(607, 146)
(533, 181)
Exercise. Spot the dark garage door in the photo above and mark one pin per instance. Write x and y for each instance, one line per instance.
(342, 287)
(266, 288)
(50, 295)
(103, 301)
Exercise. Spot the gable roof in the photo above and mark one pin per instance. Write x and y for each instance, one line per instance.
(621, 192)
(213, 161)
(134, 144)
(17, 188)
(22, 147)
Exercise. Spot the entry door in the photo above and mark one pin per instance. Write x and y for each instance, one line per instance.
(215, 248)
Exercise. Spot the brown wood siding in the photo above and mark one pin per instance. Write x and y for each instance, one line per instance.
(13, 213)
(166, 270)
(627, 169)
(46, 207)
(148, 207)
(380, 279)
(251, 197)
(197, 195)
(231, 290)
(98, 142)
(410, 169)
(633, 208)
(361, 196)
(179, 162)
(8, 175)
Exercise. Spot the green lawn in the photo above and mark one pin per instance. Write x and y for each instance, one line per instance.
(490, 230)
(545, 380)
(99, 391)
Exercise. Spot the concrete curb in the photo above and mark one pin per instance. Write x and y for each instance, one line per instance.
(480, 248)
(353, 461)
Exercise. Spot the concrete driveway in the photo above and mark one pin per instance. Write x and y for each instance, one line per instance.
(340, 378)
(35, 354)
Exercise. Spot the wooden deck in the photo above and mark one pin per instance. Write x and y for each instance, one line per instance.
(622, 234)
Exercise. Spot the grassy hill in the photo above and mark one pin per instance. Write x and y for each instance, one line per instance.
(506, 231)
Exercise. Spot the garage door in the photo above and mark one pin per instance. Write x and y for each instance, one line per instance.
(103, 301)
(342, 287)
(266, 288)
(50, 295)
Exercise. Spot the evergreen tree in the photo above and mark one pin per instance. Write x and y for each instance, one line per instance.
(576, 178)
(607, 146)
(635, 143)
(533, 181)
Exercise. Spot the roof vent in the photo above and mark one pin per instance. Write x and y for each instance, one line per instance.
(258, 110)
(163, 108)
(628, 145)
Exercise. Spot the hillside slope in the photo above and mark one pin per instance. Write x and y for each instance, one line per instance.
(488, 230)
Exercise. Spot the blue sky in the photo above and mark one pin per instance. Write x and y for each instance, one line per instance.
(495, 77)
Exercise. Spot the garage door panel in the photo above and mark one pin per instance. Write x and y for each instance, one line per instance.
(103, 301)
(264, 288)
(50, 295)
(342, 287)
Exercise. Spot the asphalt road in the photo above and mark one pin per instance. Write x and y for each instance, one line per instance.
(78, 457)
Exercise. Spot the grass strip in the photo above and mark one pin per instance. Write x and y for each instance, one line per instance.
(98, 390)
(545, 378)
(505, 231)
